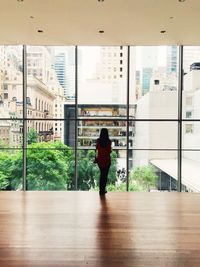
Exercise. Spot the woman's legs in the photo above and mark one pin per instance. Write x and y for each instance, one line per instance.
(103, 178)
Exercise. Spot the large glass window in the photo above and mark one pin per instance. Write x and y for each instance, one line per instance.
(102, 103)
(153, 112)
(50, 113)
(11, 113)
(72, 93)
(191, 116)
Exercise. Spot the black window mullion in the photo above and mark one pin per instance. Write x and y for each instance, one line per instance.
(127, 121)
(180, 100)
(24, 146)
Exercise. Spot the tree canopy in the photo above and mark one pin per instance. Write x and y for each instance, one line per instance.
(50, 166)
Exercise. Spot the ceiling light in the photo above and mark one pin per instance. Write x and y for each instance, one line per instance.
(163, 31)
(40, 31)
(100, 0)
(101, 31)
(20, 0)
(181, 0)
(171, 17)
(31, 17)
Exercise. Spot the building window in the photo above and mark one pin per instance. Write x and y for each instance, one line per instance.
(5, 95)
(189, 100)
(188, 114)
(189, 128)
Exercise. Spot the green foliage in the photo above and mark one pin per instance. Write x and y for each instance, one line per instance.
(32, 136)
(112, 177)
(10, 170)
(48, 165)
(133, 186)
(16, 171)
(4, 182)
(87, 170)
(144, 176)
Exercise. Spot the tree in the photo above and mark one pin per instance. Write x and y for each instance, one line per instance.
(48, 165)
(51, 166)
(112, 177)
(145, 176)
(10, 169)
(5, 165)
(32, 136)
(88, 172)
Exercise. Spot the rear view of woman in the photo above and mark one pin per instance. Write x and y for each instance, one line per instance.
(103, 147)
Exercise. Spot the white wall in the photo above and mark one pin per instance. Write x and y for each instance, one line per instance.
(156, 135)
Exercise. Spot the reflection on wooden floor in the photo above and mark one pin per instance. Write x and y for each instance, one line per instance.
(81, 229)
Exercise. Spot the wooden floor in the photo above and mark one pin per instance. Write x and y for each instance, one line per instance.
(82, 229)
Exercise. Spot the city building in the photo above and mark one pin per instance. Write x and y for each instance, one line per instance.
(60, 68)
(172, 59)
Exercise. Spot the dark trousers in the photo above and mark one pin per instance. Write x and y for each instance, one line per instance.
(103, 178)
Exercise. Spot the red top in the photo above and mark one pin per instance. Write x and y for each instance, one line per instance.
(103, 156)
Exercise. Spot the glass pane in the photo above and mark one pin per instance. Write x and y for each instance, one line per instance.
(50, 167)
(50, 161)
(153, 82)
(191, 82)
(10, 169)
(51, 80)
(44, 131)
(88, 171)
(152, 170)
(191, 135)
(11, 133)
(154, 135)
(69, 125)
(191, 171)
(191, 156)
(11, 104)
(89, 130)
(102, 81)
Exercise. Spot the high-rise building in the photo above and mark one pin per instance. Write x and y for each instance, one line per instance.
(112, 66)
(146, 78)
(60, 68)
(172, 59)
(39, 62)
(149, 62)
(64, 65)
(191, 55)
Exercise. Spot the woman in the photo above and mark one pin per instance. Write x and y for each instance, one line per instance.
(103, 147)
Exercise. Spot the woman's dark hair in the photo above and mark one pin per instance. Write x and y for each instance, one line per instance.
(104, 137)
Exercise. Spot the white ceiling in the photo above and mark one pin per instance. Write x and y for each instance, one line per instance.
(77, 22)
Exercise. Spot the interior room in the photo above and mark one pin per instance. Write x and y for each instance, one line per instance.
(69, 71)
